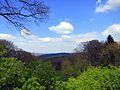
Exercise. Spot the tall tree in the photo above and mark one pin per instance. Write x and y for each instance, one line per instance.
(91, 50)
(110, 39)
(9, 48)
(111, 52)
(8, 45)
(18, 12)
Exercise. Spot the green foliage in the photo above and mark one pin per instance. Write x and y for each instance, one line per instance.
(32, 84)
(43, 72)
(80, 64)
(14, 75)
(11, 73)
(60, 85)
(96, 79)
(67, 68)
(73, 68)
(2, 50)
(39, 75)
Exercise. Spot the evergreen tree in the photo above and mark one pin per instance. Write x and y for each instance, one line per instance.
(108, 51)
(110, 39)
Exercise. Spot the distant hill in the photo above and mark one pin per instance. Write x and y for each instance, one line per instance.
(55, 59)
(37, 54)
(54, 55)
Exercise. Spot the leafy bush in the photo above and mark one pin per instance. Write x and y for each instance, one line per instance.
(43, 72)
(96, 79)
(32, 84)
(11, 73)
(60, 85)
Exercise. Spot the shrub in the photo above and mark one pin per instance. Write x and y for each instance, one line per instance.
(43, 72)
(60, 85)
(11, 73)
(101, 78)
(32, 84)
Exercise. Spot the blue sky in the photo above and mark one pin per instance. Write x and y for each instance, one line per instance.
(70, 23)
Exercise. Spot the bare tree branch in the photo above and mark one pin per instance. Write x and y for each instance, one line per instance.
(18, 12)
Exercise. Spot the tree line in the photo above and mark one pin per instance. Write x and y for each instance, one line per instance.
(94, 65)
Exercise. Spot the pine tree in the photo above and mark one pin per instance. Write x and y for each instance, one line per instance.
(110, 39)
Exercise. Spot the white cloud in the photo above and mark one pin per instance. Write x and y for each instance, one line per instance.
(98, 1)
(46, 39)
(70, 38)
(65, 37)
(80, 37)
(62, 28)
(109, 5)
(86, 37)
(7, 36)
(64, 43)
(114, 30)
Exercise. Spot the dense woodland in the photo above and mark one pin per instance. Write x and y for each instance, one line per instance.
(93, 65)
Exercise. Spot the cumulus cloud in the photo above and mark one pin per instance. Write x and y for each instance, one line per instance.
(109, 5)
(7, 36)
(114, 30)
(62, 28)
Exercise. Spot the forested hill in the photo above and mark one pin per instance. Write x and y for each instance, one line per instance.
(54, 55)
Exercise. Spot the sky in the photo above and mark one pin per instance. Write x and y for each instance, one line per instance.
(70, 23)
